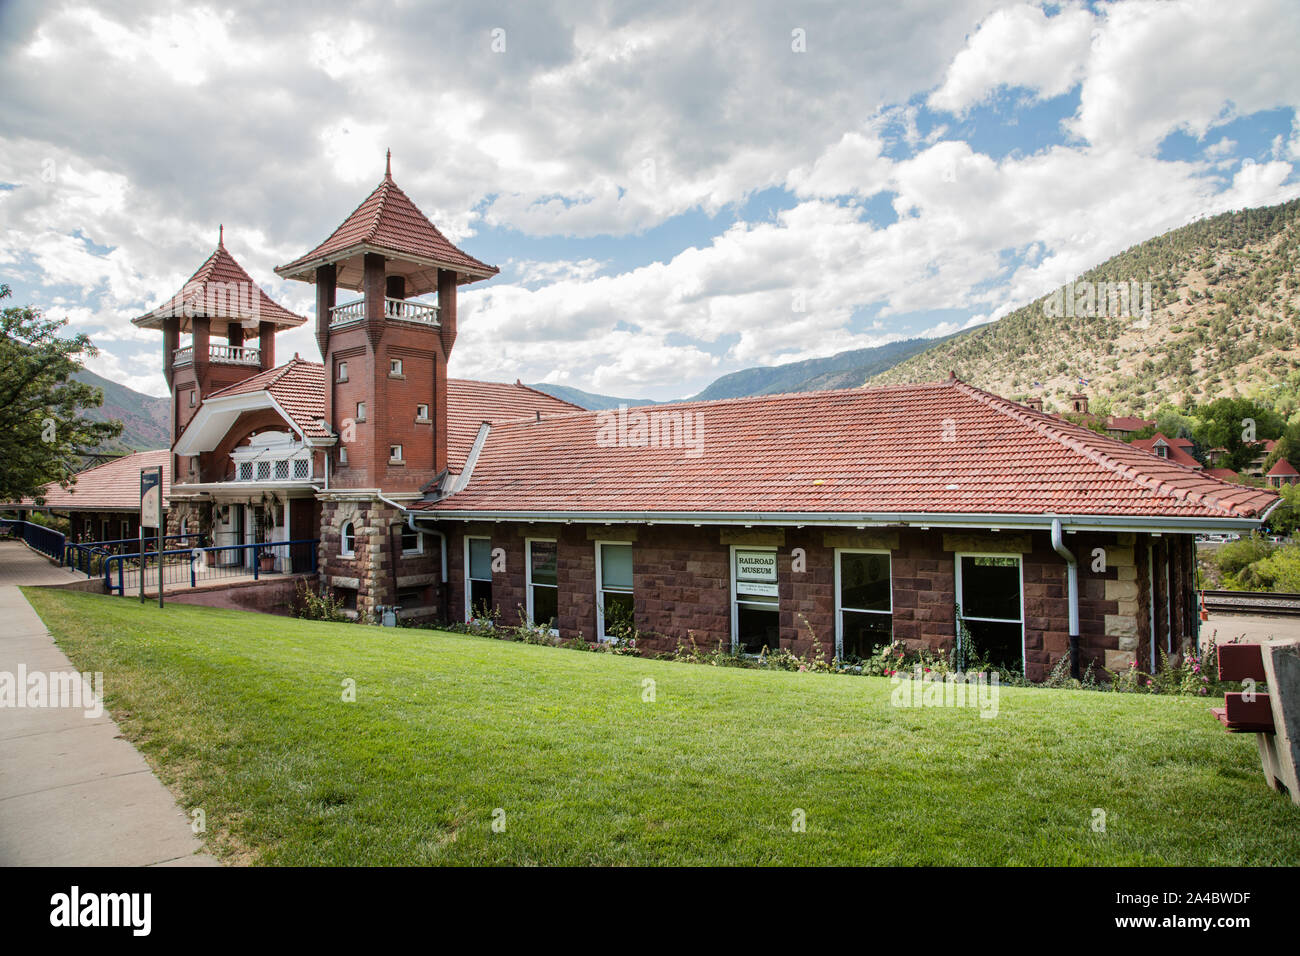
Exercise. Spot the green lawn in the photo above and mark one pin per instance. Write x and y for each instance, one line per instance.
(241, 715)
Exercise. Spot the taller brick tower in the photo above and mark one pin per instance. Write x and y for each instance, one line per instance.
(385, 392)
(231, 323)
(386, 353)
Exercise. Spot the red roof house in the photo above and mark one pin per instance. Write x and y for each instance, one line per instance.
(1282, 473)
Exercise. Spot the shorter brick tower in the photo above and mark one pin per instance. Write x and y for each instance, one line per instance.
(385, 357)
(219, 302)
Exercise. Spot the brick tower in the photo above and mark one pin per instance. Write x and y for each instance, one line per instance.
(219, 302)
(385, 357)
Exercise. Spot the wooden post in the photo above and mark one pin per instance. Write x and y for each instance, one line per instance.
(1282, 674)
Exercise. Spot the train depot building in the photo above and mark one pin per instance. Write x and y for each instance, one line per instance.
(850, 517)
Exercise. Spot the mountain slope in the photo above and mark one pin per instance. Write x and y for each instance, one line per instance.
(1224, 320)
(842, 370)
(143, 417)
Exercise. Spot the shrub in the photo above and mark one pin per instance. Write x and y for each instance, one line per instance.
(317, 604)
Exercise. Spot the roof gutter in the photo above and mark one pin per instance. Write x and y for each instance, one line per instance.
(1072, 589)
(986, 521)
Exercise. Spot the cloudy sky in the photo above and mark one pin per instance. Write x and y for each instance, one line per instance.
(672, 191)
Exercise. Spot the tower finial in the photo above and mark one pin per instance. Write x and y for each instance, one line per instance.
(388, 165)
(221, 236)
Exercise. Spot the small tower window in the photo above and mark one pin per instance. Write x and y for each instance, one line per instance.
(343, 456)
(395, 454)
(361, 411)
(421, 413)
(194, 397)
(343, 371)
(395, 367)
(348, 547)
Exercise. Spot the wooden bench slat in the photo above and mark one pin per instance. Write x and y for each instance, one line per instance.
(1241, 662)
(1254, 714)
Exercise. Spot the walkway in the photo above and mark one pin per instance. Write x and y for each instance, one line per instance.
(73, 791)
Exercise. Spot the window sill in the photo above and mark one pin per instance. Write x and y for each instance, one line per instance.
(424, 421)
(397, 461)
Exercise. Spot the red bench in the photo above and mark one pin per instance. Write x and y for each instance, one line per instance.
(1271, 717)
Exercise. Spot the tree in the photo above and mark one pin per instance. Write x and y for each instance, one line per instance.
(1230, 423)
(43, 433)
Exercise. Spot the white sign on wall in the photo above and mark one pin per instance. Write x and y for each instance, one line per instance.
(756, 573)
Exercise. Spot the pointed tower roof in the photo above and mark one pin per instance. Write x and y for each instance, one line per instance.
(221, 290)
(388, 223)
(1282, 469)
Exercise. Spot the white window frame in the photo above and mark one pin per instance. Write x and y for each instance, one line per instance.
(361, 412)
(194, 396)
(528, 579)
(600, 588)
(395, 367)
(343, 457)
(422, 412)
(731, 574)
(469, 608)
(395, 459)
(959, 594)
(419, 542)
(344, 550)
(342, 372)
(839, 609)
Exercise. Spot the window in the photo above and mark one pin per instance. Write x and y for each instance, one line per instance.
(194, 397)
(361, 411)
(395, 367)
(408, 598)
(343, 456)
(989, 591)
(302, 467)
(412, 541)
(126, 528)
(543, 582)
(349, 544)
(394, 454)
(347, 597)
(613, 589)
(864, 603)
(478, 577)
(755, 623)
(421, 413)
(343, 371)
(263, 470)
(1162, 451)
(282, 469)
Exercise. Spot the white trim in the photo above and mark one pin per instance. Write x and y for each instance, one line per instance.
(731, 575)
(600, 588)
(839, 609)
(344, 551)
(419, 542)
(1020, 568)
(469, 608)
(528, 580)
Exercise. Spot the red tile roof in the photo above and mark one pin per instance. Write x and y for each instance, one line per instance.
(299, 386)
(1282, 468)
(114, 485)
(220, 289)
(1223, 474)
(472, 403)
(388, 222)
(943, 448)
(1127, 423)
(1177, 448)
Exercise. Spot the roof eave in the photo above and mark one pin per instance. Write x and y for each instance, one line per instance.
(305, 269)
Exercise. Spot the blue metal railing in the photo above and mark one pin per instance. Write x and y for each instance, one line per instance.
(88, 556)
(192, 565)
(43, 539)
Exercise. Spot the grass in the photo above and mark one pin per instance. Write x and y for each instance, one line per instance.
(241, 715)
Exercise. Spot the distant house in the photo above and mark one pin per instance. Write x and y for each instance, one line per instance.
(1125, 427)
(1283, 473)
(1263, 449)
(104, 504)
(1176, 450)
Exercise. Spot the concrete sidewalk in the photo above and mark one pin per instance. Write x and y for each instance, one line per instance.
(73, 792)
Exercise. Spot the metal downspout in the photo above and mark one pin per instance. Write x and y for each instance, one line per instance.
(1072, 590)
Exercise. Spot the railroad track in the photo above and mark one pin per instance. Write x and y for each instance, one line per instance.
(1253, 602)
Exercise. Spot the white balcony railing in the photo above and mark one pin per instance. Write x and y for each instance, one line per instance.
(227, 354)
(403, 310)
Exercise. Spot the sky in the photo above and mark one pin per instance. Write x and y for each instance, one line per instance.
(672, 190)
